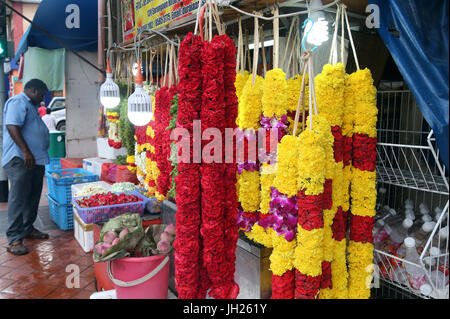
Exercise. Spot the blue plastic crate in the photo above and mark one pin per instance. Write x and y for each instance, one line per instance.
(55, 163)
(61, 214)
(101, 214)
(153, 205)
(60, 188)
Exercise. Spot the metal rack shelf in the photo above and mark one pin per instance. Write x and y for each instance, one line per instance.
(408, 163)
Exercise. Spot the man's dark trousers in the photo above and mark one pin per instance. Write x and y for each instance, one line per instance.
(24, 195)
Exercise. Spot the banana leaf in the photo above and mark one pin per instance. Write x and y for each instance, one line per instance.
(127, 245)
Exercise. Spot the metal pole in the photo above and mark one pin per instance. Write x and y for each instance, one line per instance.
(3, 178)
(101, 37)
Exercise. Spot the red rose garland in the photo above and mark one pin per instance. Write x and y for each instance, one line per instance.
(187, 243)
(212, 115)
(162, 137)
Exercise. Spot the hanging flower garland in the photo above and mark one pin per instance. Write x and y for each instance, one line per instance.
(213, 115)
(330, 86)
(284, 210)
(308, 255)
(363, 190)
(248, 179)
(230, 179)
(173, 149)
(150, 162)
(113, 130)
(187, 242)
(141, 153)
(162, 139)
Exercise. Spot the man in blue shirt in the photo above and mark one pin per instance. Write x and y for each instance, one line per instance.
(25, 152)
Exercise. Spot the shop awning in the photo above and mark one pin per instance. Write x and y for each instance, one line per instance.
(416, 34)
(73, 22)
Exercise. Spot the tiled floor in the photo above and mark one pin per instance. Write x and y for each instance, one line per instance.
(42, 273)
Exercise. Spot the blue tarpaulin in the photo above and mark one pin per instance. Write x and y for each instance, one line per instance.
(416, 34)
(73, 22)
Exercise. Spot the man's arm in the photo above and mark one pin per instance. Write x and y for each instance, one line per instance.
(16, 135)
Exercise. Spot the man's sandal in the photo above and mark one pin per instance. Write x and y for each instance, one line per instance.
(17, 248)
(36, 234)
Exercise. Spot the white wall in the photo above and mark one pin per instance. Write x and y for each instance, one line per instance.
(82, 100)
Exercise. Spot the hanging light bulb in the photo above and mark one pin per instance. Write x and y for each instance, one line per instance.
(140, 110)
(109, 91)
(319, 31)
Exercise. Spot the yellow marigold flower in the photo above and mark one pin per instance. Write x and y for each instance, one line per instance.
(287, 171)
(281, 259)
(339, 270)
(294, 86)
(274, 98)
(311, 163)
(363, 193)
(350, 96)
(339, 185)
(249, 191)
(322, 127)
(266, 179)
(330, 86)
(261, 236)
(250, 105)
(365, 109)
(360, 263)
(241, 79)
(308, 255)
(328, 241)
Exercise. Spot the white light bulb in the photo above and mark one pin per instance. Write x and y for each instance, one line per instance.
(140, 110)
(318, 33)
(109, 93)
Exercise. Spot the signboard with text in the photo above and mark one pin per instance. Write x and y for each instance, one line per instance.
(154, 14)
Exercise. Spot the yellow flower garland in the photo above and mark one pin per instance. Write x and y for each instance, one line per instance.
(274, 98)
(249, 111)
(286, 177)
(241, 79)
(249, 193)
(266, 178)
(363, 186)
(311, 163)
(309, 252)
(330, 93)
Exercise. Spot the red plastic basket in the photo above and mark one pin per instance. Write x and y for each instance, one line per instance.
(67, 163)
(125, 175)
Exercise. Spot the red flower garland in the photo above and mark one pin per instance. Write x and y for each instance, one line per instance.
(187, 242)
(306, 287)
(162, 138)
(364, 152)
(283, 287)
(230, 201)
(212, 115)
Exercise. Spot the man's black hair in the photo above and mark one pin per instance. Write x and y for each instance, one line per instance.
(37, 85)
(48, 111)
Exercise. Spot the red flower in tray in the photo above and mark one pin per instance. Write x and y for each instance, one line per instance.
(107, 199)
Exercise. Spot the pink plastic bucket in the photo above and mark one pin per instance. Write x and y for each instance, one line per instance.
(140, 277)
